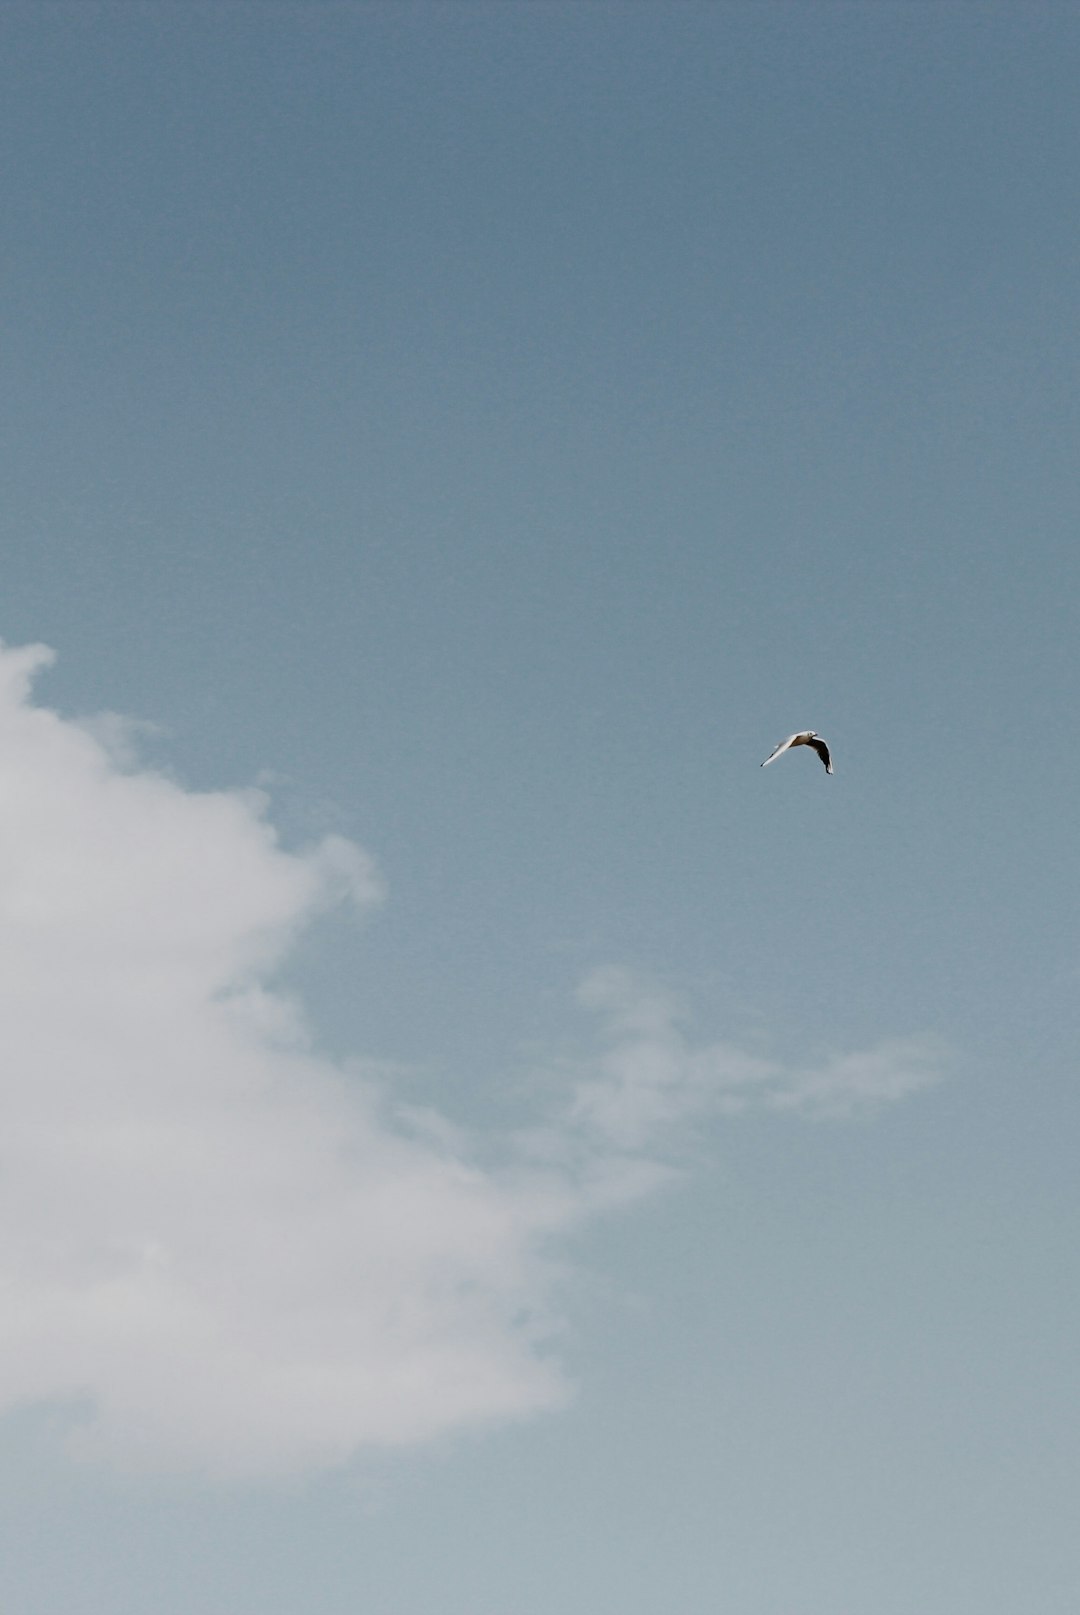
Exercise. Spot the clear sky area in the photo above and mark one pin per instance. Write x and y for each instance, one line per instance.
(474, 1142)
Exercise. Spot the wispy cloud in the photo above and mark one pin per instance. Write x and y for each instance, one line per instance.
(648, 1074)
(227, 1252)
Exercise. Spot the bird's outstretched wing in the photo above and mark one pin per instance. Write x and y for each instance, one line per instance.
(823, 752)
(783, 746)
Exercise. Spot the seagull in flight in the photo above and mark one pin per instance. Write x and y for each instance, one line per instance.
(805, 737)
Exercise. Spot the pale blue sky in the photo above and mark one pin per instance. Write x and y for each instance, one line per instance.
(492, 428)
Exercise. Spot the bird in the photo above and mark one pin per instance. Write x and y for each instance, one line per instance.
(805, 737)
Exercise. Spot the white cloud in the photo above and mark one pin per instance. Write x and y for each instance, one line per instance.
(649, 1074)
(229, 1253)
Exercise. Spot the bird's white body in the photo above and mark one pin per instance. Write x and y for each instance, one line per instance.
(803, 737)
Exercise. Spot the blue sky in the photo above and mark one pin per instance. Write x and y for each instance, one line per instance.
(476, 1143)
